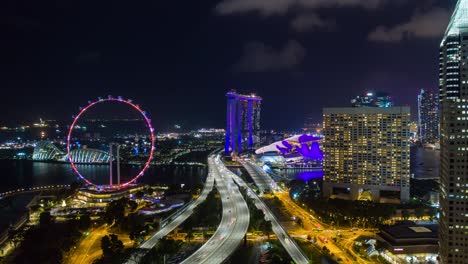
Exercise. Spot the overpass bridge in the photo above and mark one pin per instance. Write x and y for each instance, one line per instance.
(36, 189)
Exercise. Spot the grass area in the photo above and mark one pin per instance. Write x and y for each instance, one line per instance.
(242, 254)
(207, 214)
(278, 209)
(313, 252)
(48, 242)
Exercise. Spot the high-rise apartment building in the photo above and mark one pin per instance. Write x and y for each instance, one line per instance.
(367, 152)
(428, 116)
(453, 94)
(371, 99)
(243, 122)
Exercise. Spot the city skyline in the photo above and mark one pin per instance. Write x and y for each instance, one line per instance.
(226, 131)
(96, 57)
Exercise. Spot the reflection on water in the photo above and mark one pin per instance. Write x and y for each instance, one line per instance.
(22, 173)
(309, 175)
(299, 174)
(425, 163)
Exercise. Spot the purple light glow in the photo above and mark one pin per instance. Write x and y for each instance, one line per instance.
(286, 149)
(313, 152)
(310, 175)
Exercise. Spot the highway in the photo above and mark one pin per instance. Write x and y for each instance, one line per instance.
(291, 247)
(310, 222)
(180, 217)
(340, 248)
(234, 222)
(260, 177)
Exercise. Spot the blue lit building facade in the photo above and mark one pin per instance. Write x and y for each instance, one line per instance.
(371, 99)
(428, 116)
(243, 122)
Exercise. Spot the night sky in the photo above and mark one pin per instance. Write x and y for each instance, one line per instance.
(177, 59)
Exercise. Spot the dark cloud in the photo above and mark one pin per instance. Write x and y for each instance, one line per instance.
(271, 7)
(86, 57)
(312, 21)
(259, 57)
(430, 24)
(21, 22)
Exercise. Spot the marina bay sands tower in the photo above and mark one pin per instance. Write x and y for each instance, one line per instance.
(453, 95)
(243, 122)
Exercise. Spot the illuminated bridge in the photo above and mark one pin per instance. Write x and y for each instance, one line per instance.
(33, 190)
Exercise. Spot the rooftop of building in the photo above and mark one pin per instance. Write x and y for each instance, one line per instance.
(113, 191)
(411, 232)
(459, 21)
(251, 96)
(368, 110)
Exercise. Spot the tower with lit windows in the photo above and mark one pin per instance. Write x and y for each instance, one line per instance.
(428, 116)
(453, 96)
(243, 122)
(366, 153)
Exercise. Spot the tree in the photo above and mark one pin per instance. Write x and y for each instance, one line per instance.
(139, 195)
(111, 246)
(168, 246)
(75, 186)
(432, 212)
(405, 214)
(419, 212)
(115, 211)
(149, 191)
(133, 205)
(266, 227)
(15, 237)
(85, 221)
(189, 235)
(300, 222)
(45, 219)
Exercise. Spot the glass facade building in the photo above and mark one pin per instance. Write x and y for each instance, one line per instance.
(370, 99)
(367, 150)
(428, 116)
(453, 95)
(47, 151)
(243, 122)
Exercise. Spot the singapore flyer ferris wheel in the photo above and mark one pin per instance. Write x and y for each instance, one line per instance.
(146, 163)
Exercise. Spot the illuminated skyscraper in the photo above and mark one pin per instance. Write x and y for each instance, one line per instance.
(428, 116)
(453, 94)
(243, 122)
(371, 99)
(367, 152)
